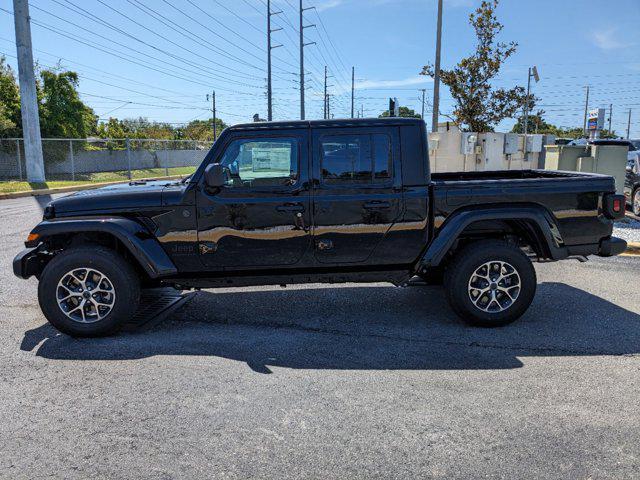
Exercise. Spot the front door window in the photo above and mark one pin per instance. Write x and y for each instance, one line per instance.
(266, 162)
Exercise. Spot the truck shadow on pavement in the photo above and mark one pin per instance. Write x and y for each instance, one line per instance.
(368, 328)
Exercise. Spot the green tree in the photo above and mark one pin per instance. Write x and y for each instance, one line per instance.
(536, 124)
(405, 112)
(62, 113)
(609, 134)
(10, 120)
(113, 128)
(142, 127)
(479, 106)
(201, 130)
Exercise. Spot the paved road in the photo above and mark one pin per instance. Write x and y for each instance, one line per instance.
(349, 382)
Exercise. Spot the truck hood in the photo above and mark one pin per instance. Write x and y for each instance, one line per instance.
(128, 196)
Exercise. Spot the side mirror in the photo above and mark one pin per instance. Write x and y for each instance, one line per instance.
(214, 176)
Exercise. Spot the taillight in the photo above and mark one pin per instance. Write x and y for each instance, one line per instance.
(617, 205)
(614, 206)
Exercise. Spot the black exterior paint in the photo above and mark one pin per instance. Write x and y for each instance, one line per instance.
(309, 231)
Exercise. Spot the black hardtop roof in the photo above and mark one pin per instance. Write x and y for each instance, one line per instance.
(346, 122)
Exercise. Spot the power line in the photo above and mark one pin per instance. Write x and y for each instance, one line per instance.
(209, 30)
(108, 52)
(77, 38)
(122, 88)
(119, 30)
(186, 33)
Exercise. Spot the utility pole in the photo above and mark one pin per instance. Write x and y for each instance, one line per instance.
(269, 48)
(215, 126)
(586, 112)
(436, 79)
(629, 125)
(325, 92)
(302, 45)
(213, 110)
(423, 92)
(610, 116)
(28, 96)
(353, 88)
(533, 72)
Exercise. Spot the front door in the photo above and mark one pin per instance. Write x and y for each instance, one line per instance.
(261, 216)
(357, 192)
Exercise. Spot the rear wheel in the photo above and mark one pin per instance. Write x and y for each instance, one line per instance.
(88, 291)
(635, 203)
(490, 283)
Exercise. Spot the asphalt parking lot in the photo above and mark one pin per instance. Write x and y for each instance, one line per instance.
(355, 381)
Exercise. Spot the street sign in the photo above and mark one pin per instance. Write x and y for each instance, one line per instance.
(595, 120)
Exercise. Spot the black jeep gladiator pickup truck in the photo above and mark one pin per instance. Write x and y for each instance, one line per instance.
(316, 201)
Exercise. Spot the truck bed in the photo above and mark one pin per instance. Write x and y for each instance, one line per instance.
(573, 199)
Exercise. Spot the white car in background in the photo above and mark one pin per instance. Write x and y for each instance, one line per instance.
(634, 150)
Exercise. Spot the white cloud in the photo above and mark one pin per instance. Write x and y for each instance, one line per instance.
(608, 40)
(327, 4)
(416, 80)
(460, 3)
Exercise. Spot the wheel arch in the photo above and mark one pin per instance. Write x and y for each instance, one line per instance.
(531, 223)
(124, 235)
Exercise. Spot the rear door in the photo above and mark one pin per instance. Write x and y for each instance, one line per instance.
(357, 195)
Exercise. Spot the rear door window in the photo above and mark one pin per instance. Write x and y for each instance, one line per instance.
(356, 159)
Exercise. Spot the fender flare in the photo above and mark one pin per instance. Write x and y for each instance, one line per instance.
(144, 247)
(461, 219)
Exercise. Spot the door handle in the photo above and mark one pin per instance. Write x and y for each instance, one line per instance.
(290, 208)
(377, 205)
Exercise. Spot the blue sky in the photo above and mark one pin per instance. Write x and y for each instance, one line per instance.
(162, 61)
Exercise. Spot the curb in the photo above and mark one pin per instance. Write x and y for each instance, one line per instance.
(76, 188)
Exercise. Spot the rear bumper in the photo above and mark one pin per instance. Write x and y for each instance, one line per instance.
(612, 246)
(27, 263)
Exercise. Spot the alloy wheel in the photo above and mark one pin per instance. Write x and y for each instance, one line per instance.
(494, 286)
(85, 295)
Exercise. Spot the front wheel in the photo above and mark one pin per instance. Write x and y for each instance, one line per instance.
(88, 291)
(635, 204)
(490, 283)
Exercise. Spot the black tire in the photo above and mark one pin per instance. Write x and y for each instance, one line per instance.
(122, 277)
(635, 202)
(460, 278)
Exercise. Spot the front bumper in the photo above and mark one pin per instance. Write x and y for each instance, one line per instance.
(27, 263)
(612, 246)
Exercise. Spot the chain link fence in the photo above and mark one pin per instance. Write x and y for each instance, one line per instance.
(103, 160)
